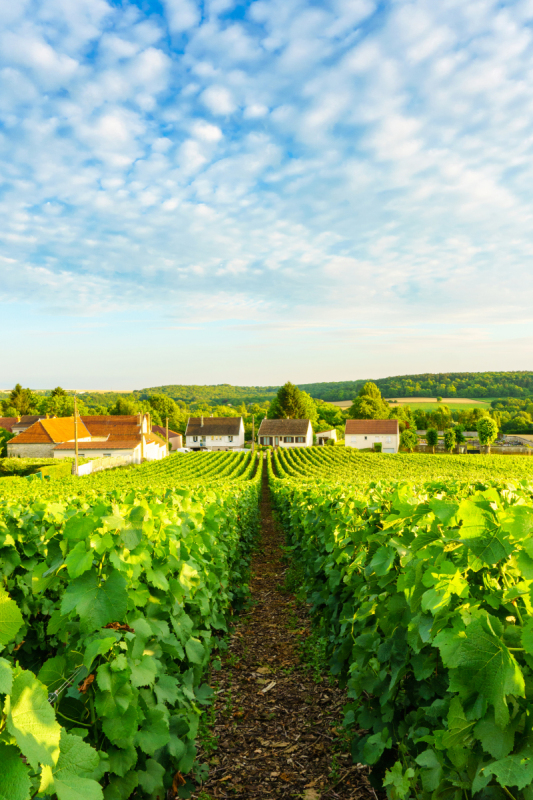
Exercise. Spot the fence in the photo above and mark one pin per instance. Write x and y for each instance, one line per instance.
(105, 462)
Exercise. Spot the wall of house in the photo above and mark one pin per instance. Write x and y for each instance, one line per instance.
(42, 450)
(217, 442)
(132, 455)
(363, 440)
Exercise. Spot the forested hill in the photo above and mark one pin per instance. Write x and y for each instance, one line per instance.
(446, 384)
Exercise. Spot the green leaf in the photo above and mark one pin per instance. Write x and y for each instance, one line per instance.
(121, 761)
(431, 772)
(375, 745)
(166, 689)
(122, 788)
(395, 777)
(6, 677)
(97, 603)
(459, 733)
(14, 774)
(144, 672)
(516, 770)
(121, 729)
(152, 778)
(195, 650)
(154, 732)
(31, 720)
(53, 672)
(481, 533)
(68, 778)
(383, 560)
(97, 648)
(10, 618)
(481, 663)
(495, 741)
(527, 636)
(80, 527)
(79, 560)
(518, 522)
(188, 577)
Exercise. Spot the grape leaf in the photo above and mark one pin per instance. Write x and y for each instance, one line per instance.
(195, 650)
(144, 672)
(68, 778)
(10, 618)
(152, 778)
(515, 770)
(495, 741)
(6, 677)
(79, 560)
(79, 527)
(31, 720)
(154, 732)
(14, 774)
(97, 603)
(480, 662)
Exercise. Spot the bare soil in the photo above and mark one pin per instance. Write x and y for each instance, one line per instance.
(277, 730)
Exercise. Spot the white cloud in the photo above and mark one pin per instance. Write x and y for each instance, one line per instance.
(218, 100)
(181, 14)
(327, 162)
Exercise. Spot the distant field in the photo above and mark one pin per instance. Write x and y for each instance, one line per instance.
(429, 403)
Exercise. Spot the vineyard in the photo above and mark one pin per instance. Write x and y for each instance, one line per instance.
(114, 591)
(419, 573)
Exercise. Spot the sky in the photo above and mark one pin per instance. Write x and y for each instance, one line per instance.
(253, 192)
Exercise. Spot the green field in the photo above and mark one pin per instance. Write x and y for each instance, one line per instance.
(421, 406)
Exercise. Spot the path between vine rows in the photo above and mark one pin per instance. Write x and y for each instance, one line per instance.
(276, 728)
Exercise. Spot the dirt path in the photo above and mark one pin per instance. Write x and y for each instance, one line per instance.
(276, 730)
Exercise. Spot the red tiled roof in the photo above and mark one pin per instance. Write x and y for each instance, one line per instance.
(161, 430)
(55, 430)
(213, 426)
(8, 422)
(283, 427)
(371, 426)
(83, 446)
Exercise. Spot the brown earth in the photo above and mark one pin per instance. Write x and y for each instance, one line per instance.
(277, 729)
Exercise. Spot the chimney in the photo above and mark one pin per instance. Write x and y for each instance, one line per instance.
(202, 421)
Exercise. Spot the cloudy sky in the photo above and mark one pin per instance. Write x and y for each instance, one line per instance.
(249, 192)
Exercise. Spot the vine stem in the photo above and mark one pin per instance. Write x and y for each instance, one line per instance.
(506, 790)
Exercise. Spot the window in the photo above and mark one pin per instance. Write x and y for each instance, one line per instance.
(300, 438)
(81, 455)
(366, 437)
(288, 439)
(354, 439)
(107, 454)
(388, 438)
(230, 438)
(195, 438)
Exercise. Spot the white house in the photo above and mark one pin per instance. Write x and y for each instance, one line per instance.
(286, 433)
(364, 433)
(214, 433)
(323, 436)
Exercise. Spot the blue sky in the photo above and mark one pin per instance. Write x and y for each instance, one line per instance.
(254, 192)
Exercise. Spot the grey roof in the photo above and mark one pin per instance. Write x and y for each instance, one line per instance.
(213, 426)
(284, 427)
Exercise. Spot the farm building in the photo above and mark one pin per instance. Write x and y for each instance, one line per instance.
(97, 436)
(214, 433)
(323, 436)
(174, 439)
(17, 425)
(286, 433)
(365, 433)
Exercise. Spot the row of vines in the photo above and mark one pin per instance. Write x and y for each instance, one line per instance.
(421, 589)
(115, 589)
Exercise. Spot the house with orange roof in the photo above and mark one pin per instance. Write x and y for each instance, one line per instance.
(98, 436)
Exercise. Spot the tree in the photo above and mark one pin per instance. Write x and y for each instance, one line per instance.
(164, 405)
(439, 399)
(23, 400)
(459, 434)
(487, 430)
(369, 404)
(449, 439)
(5, 436)
(291, 403)
(58, 392)
(432, 437)
(409, 440)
